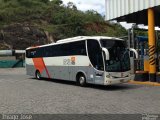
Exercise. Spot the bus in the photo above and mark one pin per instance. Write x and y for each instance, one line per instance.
(84, 59)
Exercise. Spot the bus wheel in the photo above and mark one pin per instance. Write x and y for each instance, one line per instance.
(38, 75)
(81, 79)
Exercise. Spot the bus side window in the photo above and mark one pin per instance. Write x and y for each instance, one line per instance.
(95, 54)
(47, 52)
(77, 48)
(31, 53)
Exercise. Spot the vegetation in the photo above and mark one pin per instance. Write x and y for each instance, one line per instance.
(55, 18)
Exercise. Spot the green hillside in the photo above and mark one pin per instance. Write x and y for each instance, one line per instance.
(26, 23)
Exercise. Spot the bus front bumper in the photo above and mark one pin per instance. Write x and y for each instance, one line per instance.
(111, 81)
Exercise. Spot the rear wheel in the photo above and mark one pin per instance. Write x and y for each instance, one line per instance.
(81, 79)
(38, 75)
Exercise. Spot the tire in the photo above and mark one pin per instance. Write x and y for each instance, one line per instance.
(81, 79)
(38, 75)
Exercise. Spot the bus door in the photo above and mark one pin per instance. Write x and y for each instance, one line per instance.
(96, 59)
(99, 71)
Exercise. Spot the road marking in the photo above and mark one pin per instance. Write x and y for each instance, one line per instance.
(144, 83)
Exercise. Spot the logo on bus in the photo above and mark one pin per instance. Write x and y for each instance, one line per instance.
(71, 61)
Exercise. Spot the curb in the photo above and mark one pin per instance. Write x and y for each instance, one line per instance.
(144, 83)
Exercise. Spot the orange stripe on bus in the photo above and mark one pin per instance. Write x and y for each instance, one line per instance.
(40, 65)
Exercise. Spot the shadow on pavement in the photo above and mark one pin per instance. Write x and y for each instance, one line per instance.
(124, 86)
(117, 87)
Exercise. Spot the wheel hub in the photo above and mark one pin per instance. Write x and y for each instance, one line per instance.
(82, 80)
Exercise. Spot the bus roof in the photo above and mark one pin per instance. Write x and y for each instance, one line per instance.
(79, 38)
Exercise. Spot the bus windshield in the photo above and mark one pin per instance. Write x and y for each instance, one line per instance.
(119, 55)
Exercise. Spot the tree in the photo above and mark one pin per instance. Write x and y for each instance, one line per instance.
(45, 1)
(71, 5)
(7, 0)
(57, 2)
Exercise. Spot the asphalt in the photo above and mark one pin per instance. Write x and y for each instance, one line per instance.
(20, 93)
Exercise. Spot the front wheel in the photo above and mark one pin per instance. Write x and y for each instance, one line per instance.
(81, 80)
(38, 75)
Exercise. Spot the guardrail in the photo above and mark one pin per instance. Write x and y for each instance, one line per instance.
(11, 52)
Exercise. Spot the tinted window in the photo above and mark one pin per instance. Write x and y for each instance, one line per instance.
(77, 48)
(67, 49)
(119, 55)
(33, 53)
(95, 54)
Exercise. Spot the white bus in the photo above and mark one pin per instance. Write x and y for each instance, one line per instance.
(84, 59)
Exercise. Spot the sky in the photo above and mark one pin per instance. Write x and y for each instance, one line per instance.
(99, 6)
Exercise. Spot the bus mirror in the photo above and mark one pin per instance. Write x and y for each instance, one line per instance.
(135, 52)
(106, 53)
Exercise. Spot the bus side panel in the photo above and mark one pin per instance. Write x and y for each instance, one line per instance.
(92, 76)
(66, 67)
(95, 76)
(70, 72)
(31, 69)
(86, 70)
(99, 77)
(59, 72)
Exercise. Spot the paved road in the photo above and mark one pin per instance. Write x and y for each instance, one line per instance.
(20, 93)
